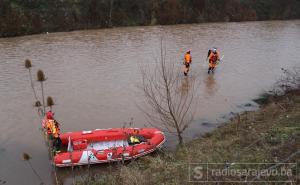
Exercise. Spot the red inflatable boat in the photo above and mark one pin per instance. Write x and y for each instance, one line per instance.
(106, 145)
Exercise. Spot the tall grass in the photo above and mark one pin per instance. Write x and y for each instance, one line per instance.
(41, 78)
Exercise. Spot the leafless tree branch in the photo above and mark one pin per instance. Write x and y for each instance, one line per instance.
(167, 107)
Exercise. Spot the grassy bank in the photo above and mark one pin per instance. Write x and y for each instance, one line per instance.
(268, 135)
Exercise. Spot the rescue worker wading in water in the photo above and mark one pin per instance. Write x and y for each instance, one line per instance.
(187, 62)
(213, 58)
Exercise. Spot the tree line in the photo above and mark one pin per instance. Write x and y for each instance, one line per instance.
(22, 17)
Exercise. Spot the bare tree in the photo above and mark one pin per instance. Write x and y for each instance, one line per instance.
(166, 106)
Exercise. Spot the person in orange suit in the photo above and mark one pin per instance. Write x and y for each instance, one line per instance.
(213, 59)
(187, 62)
(49, 122)
(53, 131)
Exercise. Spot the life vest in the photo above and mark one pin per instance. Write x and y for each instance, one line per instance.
(49, 125)
(55, 131)
(213, 57)
(187, 58)
(134, 139)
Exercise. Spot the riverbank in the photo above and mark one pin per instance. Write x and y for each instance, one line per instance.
(26, 17)
(268, 135)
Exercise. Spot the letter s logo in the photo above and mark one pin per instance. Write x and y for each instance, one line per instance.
(197, 173)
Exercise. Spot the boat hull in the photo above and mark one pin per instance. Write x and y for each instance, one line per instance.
(106, 145)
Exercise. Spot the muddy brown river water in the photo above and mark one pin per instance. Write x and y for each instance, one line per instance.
(93, 77)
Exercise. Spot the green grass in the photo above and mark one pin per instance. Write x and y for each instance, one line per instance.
(268, 135)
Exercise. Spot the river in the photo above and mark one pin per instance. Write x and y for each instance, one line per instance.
(93, 77)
